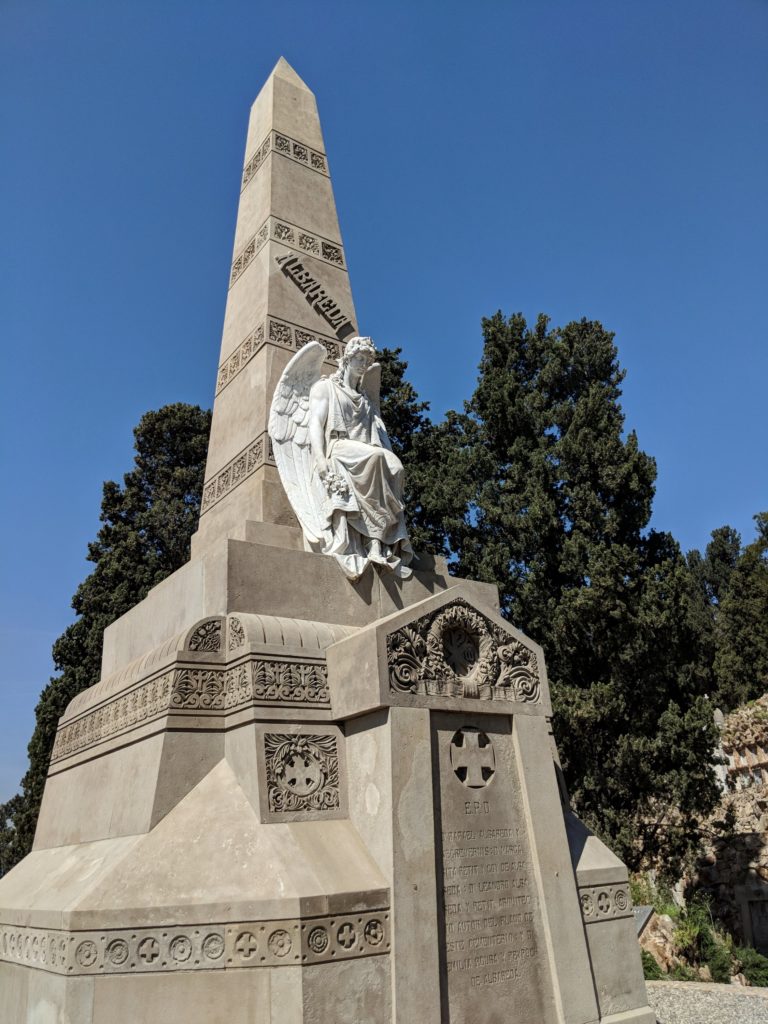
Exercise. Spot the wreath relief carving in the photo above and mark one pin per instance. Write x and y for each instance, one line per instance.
(457, 652)
(302, 772)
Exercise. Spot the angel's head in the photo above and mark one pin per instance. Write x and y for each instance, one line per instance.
(359, 354)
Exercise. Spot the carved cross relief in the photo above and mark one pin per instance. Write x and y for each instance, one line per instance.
(472, 757)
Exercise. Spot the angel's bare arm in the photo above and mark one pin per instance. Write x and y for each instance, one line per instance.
(318, 415)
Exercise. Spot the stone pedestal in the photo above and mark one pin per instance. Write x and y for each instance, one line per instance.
(276, 818)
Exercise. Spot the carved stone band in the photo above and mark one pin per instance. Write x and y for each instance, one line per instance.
(246, 462)
(292, 149)
(277, 943)
(604, 902)
(277, 332)
(256, 681)
(293, 237)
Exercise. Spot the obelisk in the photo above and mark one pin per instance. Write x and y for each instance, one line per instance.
(288, 284)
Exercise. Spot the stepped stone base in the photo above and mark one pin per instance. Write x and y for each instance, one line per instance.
(295, 800)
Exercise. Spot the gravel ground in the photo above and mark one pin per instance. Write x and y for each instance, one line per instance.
(690, 1002)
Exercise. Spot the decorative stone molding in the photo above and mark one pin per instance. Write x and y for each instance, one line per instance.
(278, 332)
(246, 462)
(142, 704)
(302, 772)
(236, 634)
(293, 237)
(458, 652)
(207, 637)
(268, 682)
(275, 142)
(240, 358)
(604, 902)
(179, 947)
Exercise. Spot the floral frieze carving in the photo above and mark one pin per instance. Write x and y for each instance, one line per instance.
(458, 652)
(302, 772)
(257, 681)
(207, 637)
(251, 458)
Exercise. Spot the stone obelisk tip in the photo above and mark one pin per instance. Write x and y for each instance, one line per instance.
(284, 70)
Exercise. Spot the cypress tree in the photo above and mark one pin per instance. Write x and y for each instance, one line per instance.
(147, 523)
(741, 628)
(551, 500)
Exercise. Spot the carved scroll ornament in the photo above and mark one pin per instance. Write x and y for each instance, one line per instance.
(458, 652)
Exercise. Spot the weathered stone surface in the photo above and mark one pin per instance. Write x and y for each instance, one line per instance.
(492, 942)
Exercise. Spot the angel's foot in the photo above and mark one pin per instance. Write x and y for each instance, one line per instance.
(377, 554)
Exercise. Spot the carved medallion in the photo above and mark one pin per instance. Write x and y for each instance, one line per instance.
(117, 952)
(302, 772)
(180, 948)
(318, 940)
(86, 953)
(374, 933)
(279, 943)
(213, 946)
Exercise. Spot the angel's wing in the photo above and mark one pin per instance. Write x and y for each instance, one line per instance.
(371, 385)
(289, 430)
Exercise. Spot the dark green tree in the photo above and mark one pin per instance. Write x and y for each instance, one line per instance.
(741, 627)
(147, 523)
(415, 440)
(709, 578)
(544, 494)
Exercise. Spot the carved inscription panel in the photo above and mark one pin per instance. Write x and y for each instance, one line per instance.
(494, 962)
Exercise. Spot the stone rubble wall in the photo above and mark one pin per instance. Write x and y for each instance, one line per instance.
(739, 860)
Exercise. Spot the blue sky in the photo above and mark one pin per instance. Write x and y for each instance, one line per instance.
(599, 159)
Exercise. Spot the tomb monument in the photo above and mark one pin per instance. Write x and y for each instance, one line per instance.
(316, 783)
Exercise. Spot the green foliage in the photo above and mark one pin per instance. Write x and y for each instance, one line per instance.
(651, 970)
(682, 972)
(648, 893)
(410, 431)
(753, 965)
(147, 523)
(541, 492)
(642, 890)
(741, 628)
(700, 943)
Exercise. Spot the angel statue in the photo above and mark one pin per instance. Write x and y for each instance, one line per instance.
(342, 478)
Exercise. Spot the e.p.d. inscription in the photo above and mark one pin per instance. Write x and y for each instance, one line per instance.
(494, 964)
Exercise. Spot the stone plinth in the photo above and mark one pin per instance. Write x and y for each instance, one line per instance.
(316, 821)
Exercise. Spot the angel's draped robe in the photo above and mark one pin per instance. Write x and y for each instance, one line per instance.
(370, 506)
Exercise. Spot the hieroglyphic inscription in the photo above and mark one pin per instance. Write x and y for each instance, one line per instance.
(493, 949)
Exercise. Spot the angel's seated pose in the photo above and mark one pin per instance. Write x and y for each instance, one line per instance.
(343, 480)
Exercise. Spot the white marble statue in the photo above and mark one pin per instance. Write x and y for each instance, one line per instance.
(342, 478)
